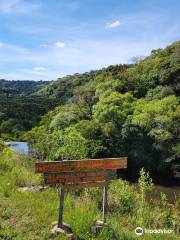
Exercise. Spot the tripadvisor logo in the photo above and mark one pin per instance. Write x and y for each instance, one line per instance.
(139, 231)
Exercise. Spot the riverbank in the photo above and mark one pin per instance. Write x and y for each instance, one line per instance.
(171, 188)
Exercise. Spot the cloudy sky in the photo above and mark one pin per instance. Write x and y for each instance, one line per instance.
(46, 39)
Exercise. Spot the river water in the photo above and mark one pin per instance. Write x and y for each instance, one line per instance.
(20, 147)
(172, 193)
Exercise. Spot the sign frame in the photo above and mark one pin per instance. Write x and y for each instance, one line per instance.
(79, 174)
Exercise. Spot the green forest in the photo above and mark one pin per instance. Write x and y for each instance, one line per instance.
(129, 110)
(123, 110)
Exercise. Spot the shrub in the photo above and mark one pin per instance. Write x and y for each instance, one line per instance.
(121, 197)
(2, 145)
(145, 186)
(21, 177)
(6, 163)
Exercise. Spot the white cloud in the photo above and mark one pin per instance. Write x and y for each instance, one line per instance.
(80, 56)
(60, 44)
(39, 69)
(113, 24)
(1, 44)
(30, 74)
(43, 45)
(18, 6)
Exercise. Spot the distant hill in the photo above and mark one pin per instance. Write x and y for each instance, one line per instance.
(160, 68)
(23, 86)
(20, 110)
(63, 88)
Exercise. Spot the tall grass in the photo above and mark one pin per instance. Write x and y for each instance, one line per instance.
(29, 215)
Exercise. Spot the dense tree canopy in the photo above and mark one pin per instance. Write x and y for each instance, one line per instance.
(22, 86)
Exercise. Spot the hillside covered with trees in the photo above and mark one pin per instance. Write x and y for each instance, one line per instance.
(22, 86)
(20, 109)
(123, 110)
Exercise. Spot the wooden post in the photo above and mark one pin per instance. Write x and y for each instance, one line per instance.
(61, 206)
(105, 196)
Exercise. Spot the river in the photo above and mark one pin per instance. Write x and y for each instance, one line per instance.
(172, 193)
(20, 147)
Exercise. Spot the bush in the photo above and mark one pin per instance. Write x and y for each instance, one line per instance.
(17, 169)
(2, 145)
(121, 197)
(6, 163)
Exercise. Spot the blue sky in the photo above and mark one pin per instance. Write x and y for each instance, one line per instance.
(46, 39)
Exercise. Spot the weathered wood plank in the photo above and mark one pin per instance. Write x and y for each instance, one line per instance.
(78, 165)
(85, 185)
(55, 178)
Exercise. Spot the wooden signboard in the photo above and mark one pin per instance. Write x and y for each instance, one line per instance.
(78, 174)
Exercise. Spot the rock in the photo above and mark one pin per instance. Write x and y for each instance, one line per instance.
(66, 229)
(32, 188)
(97, 227)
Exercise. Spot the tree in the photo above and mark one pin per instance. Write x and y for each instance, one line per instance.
(152, 131)
(111, 112)
(67, 114)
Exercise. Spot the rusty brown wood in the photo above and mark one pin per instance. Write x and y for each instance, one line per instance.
(55, 178)
(79, 165)
(85, 185)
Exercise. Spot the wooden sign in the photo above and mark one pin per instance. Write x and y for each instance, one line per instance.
(79, 165)
(74, 177)
(78, 174)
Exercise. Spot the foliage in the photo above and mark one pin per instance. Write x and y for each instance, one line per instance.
(67, 115)
(121, 198)
(22, 86)
(2, 145)
(14, 168)
(20, 113)
(61, 144)
(145, 185)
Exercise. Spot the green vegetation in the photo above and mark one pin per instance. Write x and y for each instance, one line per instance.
(124, 110)
(26, 215)
(20, 111)
(22, 87)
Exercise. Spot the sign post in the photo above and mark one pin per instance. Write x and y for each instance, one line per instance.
(79, 174)
(105, 199)
(61, 208)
